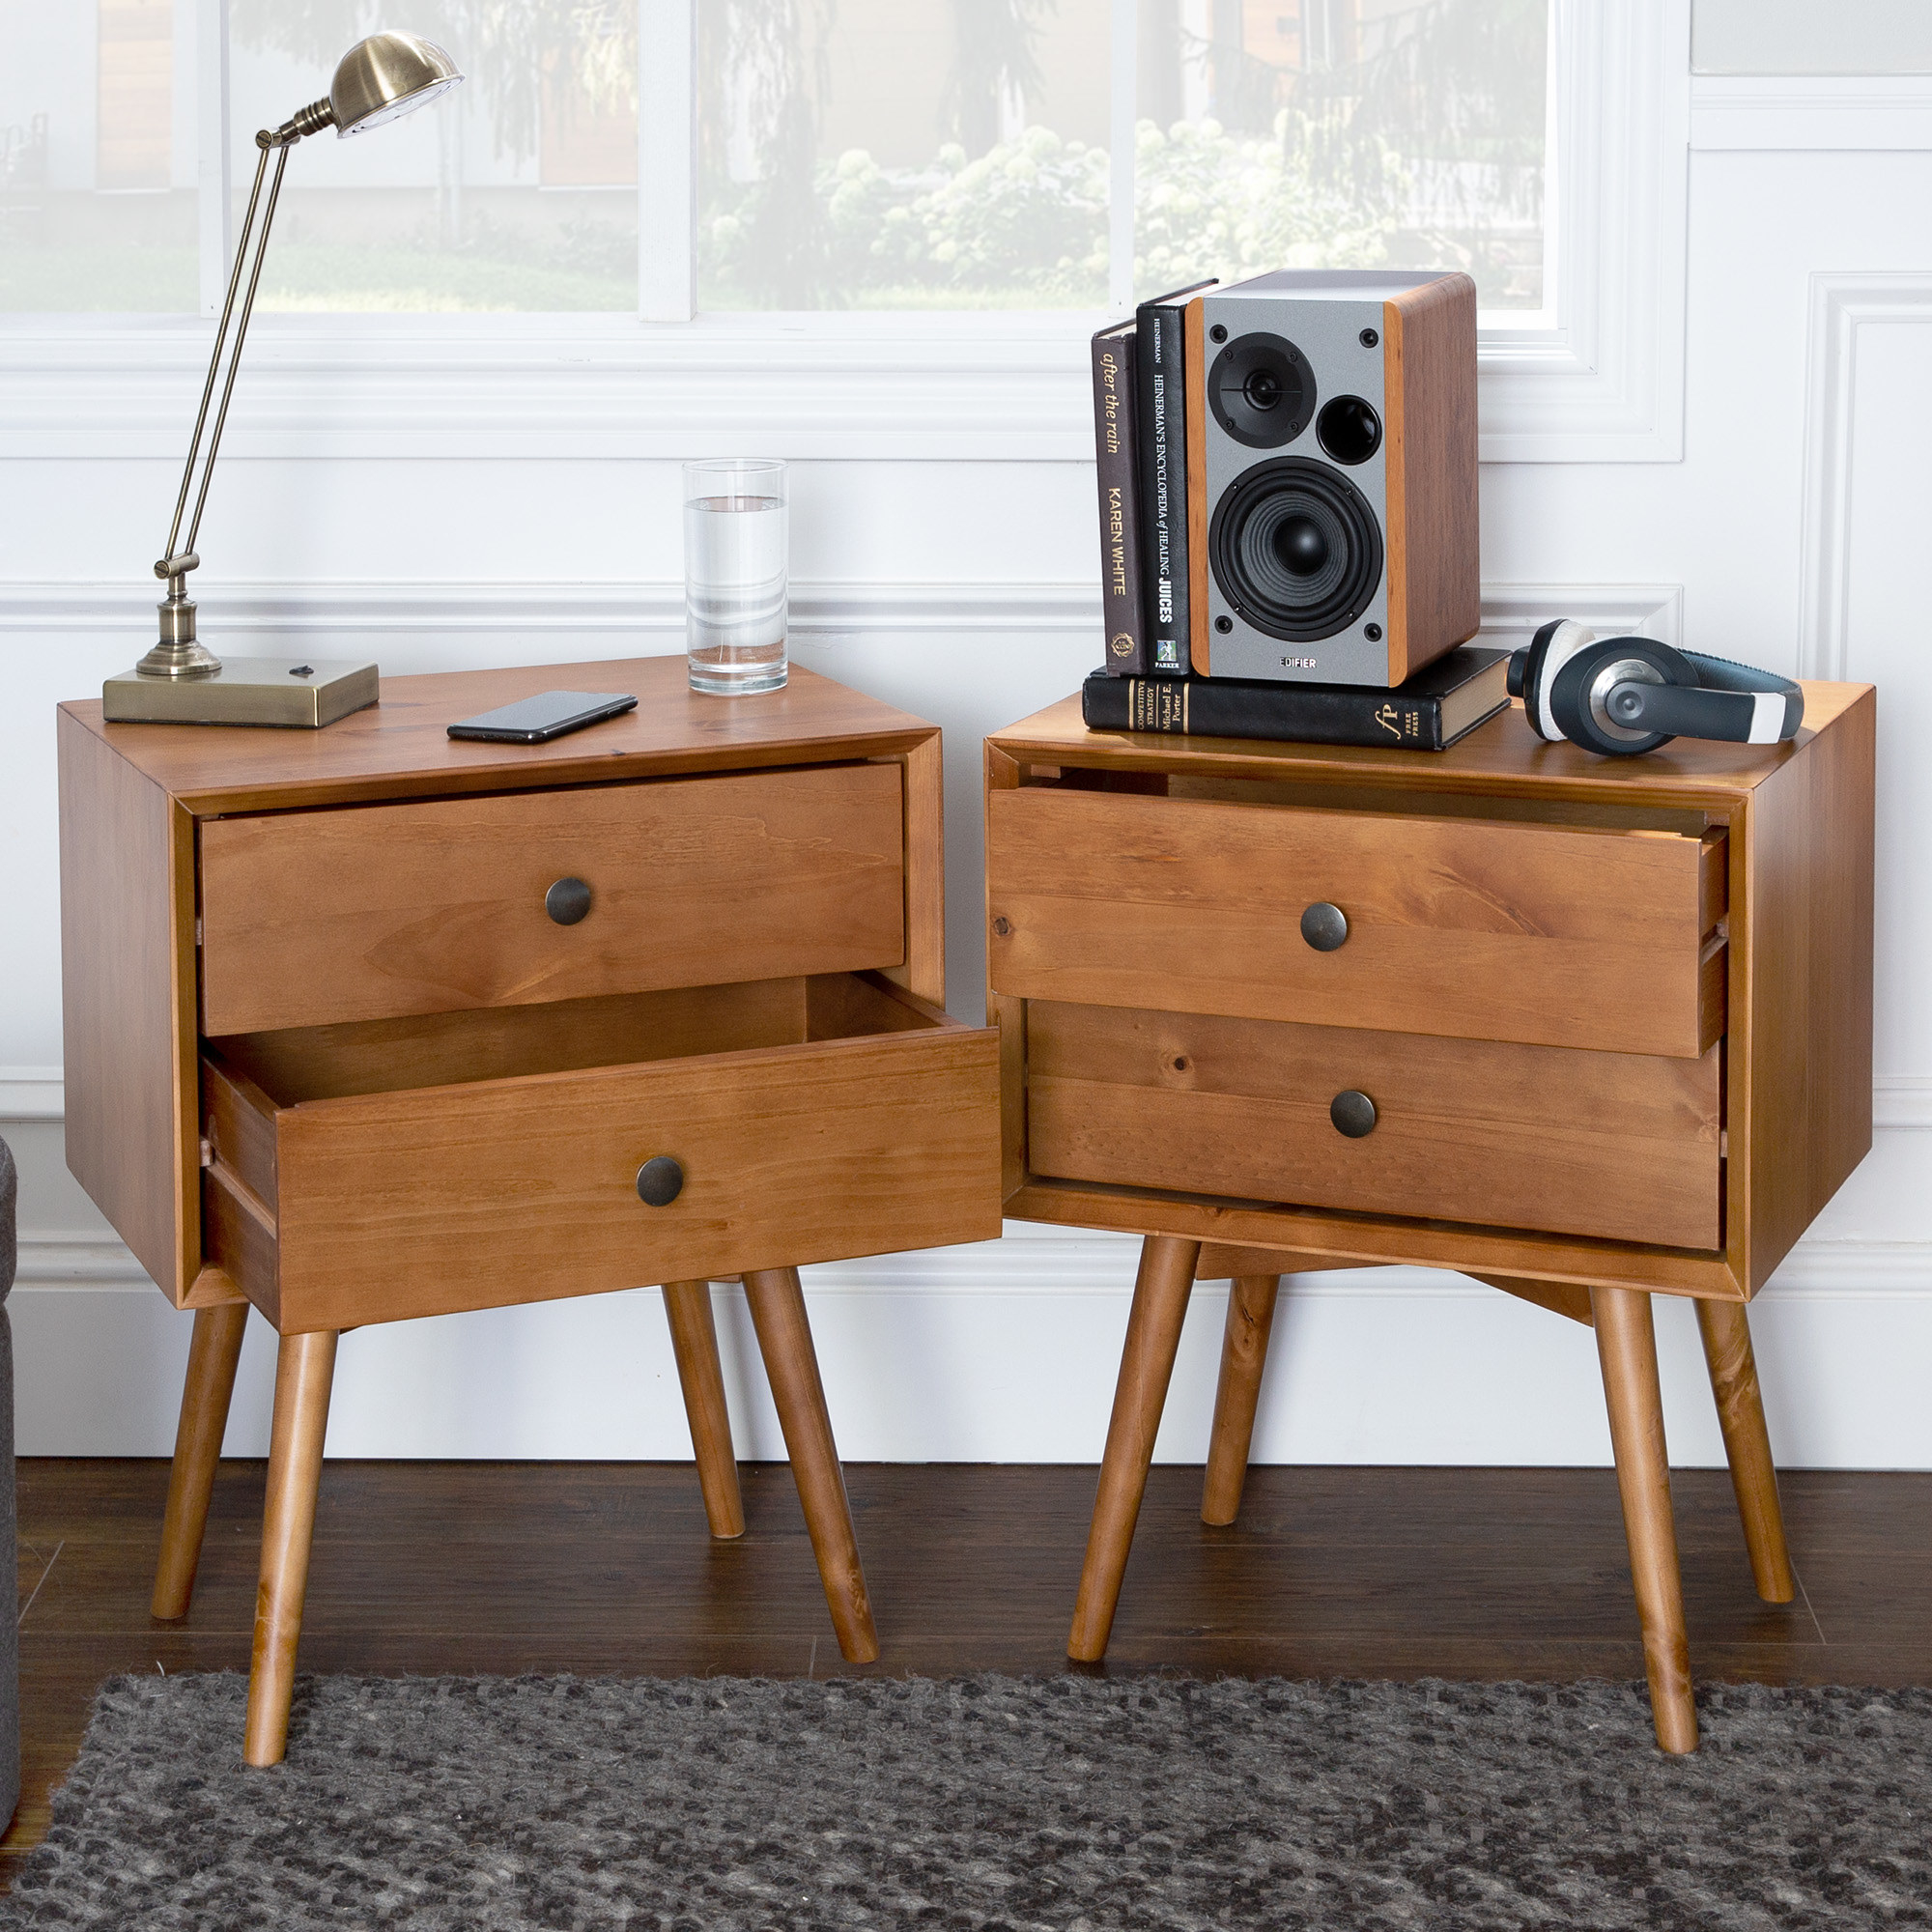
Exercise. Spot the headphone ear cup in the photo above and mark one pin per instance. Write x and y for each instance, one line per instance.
(1576, 717)
(1560, 637)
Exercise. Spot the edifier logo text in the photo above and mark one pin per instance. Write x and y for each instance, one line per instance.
(1297, 664)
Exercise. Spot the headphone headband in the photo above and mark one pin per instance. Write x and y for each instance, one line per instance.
(1624, 696)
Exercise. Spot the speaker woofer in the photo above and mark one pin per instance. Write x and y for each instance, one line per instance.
(1296, 548)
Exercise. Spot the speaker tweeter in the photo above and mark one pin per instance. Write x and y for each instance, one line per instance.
(1261, 391)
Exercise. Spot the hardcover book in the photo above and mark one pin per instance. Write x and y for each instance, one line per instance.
(1117, 460)
(1161, 381)
(1443, 701)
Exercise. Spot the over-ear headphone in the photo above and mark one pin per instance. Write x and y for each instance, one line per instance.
(1622, 696)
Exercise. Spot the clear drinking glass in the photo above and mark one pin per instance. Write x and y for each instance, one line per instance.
(735, 575)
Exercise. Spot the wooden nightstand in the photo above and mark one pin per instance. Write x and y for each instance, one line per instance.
(368, 1023)
(1584, 1028)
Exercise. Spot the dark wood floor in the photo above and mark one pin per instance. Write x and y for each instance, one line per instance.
(606, 1568)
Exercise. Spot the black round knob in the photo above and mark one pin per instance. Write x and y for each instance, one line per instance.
(1324, 927)
(1353, 1113)
(567, 902)
(661, 1180)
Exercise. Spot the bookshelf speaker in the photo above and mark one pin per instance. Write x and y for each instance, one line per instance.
(1331, 474)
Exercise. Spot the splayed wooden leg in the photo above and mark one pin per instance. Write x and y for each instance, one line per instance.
(304, 1372)
(205, 1394)
(1727, 1351)
(694, 1339)
(776, 1302)
(1251, 1300)
(1627, 1348)
(1162, 1292)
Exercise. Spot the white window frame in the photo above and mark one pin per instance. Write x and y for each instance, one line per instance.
(1603, 381)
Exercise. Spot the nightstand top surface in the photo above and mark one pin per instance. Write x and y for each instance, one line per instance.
(400, 746)
(1503, 755)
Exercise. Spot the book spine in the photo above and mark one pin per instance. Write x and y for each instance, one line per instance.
(1163, 487)
(1116, 458)
(1208, 709)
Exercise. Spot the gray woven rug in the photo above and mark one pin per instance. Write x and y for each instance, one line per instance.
(1068, 1803)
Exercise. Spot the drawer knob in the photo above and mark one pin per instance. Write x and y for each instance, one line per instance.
(1353, 1113)
(569, 899)
(1324, 927)
(660, 1181)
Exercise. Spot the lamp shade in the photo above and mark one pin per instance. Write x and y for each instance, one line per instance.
(387, 77)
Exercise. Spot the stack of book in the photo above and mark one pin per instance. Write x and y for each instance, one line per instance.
(1146, 682)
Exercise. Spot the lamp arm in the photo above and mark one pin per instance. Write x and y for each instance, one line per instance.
(177, 653)
(281, 152)
(214, 360)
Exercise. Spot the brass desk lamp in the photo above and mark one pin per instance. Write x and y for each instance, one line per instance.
(180, 681)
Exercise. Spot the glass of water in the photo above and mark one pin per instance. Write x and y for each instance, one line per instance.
(735, 575)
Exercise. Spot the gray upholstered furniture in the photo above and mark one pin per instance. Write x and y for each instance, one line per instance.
(10, 1632)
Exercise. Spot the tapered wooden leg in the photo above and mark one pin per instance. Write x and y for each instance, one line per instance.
(1161, 1290)
(211, 1355)
(694, 1340)
(1244, 1347)
(1627, 1349)
(304, 1370)
(1727, 1350)
(791, 1363)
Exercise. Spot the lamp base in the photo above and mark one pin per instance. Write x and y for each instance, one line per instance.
(300, 693)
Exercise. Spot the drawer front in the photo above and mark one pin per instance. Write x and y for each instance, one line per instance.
(388, 1205)
(1623, 1146)
(1466, 927)
(374, 912)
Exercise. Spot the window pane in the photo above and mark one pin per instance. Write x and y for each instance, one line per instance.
(1342, 134)
(515, 192)
(97, 157)
(902, 154)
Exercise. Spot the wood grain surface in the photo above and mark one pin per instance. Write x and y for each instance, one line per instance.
(521, 1189)
(1244, 1344)
(312, 918)
(1429, 388)
(127, 1005)
(215, 1349)
(1627, 1351)
(1162, 1288)
(401, 748)
(776, 1300)
(1502, 757)
(1725, 1328)
(1355, 1240)
(1558, 935)
(1617, 1147)
(925, 969)
(503, 1043)
(693, 1337)
(1801, 991)
(304, 1375)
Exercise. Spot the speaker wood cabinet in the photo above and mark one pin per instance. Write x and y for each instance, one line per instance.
(1584, 1028)
(369, 1023)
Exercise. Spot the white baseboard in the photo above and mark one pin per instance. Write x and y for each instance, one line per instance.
(1007, 1353)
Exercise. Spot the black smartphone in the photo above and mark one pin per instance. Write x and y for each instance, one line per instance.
(549, 714)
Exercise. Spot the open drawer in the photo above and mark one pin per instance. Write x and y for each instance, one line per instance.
(380, 1169)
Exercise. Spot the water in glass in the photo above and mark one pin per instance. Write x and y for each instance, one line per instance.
(735, 625)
